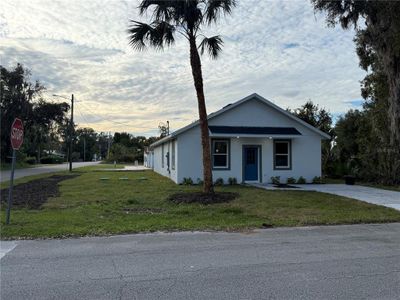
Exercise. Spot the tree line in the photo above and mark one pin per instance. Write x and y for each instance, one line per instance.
(47, 127)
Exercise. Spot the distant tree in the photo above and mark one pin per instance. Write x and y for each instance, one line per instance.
(321, 119)
(378, 38)
(186, 17)
(86, 143)
(19, 97)
(122, 138)
(163, 129)
(102, 144)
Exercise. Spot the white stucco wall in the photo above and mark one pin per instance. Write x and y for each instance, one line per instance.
(305, 149)
(157, 160)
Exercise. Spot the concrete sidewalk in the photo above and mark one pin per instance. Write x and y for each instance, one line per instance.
(368, 194)
(126, 168)
(19, 173)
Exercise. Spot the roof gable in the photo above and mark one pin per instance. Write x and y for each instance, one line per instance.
(229, 107)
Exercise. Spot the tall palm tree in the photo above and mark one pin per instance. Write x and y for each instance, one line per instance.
(186, 17)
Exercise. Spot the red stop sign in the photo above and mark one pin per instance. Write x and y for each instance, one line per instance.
(17, 134)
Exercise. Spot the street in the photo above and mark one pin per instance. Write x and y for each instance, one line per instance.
(321, 262)
(5, 175)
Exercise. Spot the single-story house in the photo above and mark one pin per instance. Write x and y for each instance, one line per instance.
(251, 140)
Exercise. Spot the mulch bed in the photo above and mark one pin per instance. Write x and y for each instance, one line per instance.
(34, 193)
(202, 198)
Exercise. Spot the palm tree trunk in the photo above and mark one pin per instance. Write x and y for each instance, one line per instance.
(205, 138)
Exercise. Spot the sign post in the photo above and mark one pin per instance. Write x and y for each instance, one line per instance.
(17, 137)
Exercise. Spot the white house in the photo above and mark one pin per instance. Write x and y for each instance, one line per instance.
(251, 140)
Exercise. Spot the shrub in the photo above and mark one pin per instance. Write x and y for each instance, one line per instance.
(276, 179)
(291, 180)
(301, 180)
(187, 181)
(219, 181)
(317, 179)
(30, 160)
(199, 181)
(232, 180)
(121, 153)
(51, 159)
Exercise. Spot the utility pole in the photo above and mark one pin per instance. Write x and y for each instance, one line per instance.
(84, 148)
(71, 133)
(109, 142)
(167, 128)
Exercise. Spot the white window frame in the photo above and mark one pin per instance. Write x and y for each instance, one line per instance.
(227, 154)
(288, 154)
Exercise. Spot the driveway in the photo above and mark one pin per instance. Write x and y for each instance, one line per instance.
(331, 262)
(363, 193)
(5, 175)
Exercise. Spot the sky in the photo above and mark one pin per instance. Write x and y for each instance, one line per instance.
(282, 50)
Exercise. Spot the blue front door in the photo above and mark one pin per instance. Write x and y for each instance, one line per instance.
(250, 157)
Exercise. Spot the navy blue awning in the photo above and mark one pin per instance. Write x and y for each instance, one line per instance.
(254, 130)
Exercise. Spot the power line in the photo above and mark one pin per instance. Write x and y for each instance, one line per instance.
(112, 121)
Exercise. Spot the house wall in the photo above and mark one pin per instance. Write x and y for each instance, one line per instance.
(157, 160)
(306, 149)
(148, 159)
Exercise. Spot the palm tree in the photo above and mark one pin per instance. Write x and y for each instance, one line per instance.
(186, 17)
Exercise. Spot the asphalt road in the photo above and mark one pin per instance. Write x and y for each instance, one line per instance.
(5, 175)
(336, 262)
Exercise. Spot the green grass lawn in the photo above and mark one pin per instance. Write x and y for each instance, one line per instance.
(89, 206)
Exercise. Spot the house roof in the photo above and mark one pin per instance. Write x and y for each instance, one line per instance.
(254, 130)
(235, 104)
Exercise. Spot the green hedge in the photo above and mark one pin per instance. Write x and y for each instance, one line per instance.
(51, 159)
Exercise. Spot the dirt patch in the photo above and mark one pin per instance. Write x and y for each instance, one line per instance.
(143, 210)
(202, 198)
(34, 193)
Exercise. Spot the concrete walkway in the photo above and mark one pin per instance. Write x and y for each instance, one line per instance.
(363, 193)
(5, 175)
(126, 168)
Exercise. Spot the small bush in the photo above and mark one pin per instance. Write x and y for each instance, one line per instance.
(317, 180)
(232, 180)
(276, 179)
(219, 181)
(199, 181)
(301, 180)
(51, 159)
(30, 160)
(291, 180)
(187, 181)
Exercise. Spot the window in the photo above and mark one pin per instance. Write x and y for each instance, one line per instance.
(173, 155)
(162, 156)
(282, 155)
(220, 154)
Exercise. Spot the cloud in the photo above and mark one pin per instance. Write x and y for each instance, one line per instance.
(290, 45)
(279, 49)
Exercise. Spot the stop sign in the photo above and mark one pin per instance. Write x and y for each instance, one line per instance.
(17, 134)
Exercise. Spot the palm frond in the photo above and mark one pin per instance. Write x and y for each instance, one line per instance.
(163, 34)
(163, 10)
(157, 34)
(212, 45)
(214, 8)
(139, 33)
